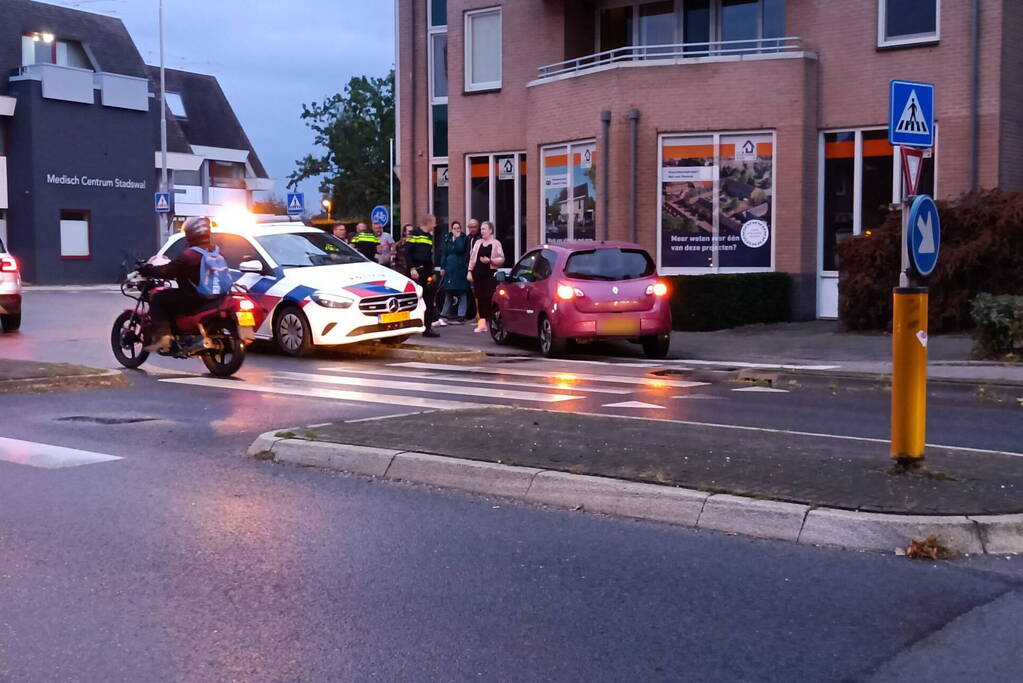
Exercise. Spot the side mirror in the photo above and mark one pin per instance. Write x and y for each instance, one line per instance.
(501, 276)
(252, 266)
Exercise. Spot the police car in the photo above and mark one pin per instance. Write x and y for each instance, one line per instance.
(10, 291)
(312, 289)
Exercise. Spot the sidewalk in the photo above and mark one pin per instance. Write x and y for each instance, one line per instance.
(17, 376)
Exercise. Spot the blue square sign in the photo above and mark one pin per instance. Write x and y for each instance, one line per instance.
(296, 203)
(911, 114)
(162, 202)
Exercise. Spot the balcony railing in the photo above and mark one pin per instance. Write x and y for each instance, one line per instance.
(674, 53)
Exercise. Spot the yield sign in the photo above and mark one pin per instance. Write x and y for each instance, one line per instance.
(912, 166)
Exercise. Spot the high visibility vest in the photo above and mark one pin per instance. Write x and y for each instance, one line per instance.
(365, 238)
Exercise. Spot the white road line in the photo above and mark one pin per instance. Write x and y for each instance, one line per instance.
(315, 392)
(425, 387)
(47, 456)
(703, 397)
(763, 390)
(389, 417)
(756, 366)
(558, 384)
(649, 382)
(633, 404)
(625, 361)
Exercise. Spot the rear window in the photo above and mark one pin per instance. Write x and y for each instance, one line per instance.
(609, 264)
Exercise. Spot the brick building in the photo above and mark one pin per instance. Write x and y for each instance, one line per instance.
(724, 135)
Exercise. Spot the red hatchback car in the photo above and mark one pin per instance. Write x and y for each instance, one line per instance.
(584, 291)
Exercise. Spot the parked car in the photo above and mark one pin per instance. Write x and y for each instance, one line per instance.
(312, 289)
(10, 291)
(584, 291)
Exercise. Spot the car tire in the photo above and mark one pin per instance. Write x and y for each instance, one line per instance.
(292, 333)
(551, 346)
(11, 323)
(656, 346)
(497, 331)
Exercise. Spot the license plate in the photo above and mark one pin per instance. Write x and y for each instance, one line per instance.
(387, 318)
(618, 325)
(246, 319)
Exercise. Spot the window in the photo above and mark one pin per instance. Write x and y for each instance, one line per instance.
(496, 192)
(230, 174)
(439, 56)
(438, 13)
(609, 265)
(483, 49)
(570, 192)
(44, 48)
(544, 266)
(193, 178)
(717, 202)
(175, 104)
(236, 249)
(523, 270)
(861, 176)
(74, 234)
(303, 249)
(904, 22)
(440, 131)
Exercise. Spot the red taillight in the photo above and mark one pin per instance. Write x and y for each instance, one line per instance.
(657, 289)
(568, 292)
(8, 265)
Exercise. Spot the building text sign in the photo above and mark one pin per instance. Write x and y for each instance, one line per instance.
(88, 181)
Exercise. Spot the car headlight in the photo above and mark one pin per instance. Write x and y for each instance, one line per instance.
(332, 300)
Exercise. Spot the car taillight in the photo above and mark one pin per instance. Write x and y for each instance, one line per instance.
(568, 292)
(657, 289)
(8, 265)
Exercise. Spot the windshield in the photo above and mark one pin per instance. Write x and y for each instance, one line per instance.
(609, 264)
(303, 249)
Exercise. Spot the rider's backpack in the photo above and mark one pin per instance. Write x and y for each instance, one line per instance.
(214, 275)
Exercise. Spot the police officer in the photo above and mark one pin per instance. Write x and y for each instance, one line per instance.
(367, 243)
(419, 253)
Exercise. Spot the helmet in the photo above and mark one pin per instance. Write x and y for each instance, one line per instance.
(197, 231)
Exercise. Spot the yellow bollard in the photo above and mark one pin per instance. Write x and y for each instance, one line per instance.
(909, 373)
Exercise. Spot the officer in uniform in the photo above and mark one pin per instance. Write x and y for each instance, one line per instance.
(367, 243)
(419, 253)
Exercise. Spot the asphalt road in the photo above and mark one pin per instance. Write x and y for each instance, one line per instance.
(183, 560)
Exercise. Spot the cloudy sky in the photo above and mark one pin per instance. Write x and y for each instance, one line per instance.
(269, 56)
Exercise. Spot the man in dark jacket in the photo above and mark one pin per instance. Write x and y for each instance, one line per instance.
(185, 270)
(366, 242)
(419, 253)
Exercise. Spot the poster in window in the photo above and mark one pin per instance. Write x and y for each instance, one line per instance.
(745, 201)
(555, 194)
(584, 192)
(688, 170)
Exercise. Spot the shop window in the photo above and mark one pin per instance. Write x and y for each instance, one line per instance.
(74, 234)
(483, 49)
(439, 199)
(495, 192)
(176, 105)
(570, 192)
(229, 174)
(904, 22)
(717, 203)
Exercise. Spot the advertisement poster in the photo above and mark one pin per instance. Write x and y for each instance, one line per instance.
(570, 192)
(745, 201)
(555, 191)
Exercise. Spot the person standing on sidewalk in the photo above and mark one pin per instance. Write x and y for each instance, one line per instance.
(455, 287)
(472, 237)
(487, 257)
(366, 242)
(385, 250)
(399, 260)
(419, 252)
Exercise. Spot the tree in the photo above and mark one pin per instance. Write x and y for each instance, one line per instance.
(355, 129)
(272, 205)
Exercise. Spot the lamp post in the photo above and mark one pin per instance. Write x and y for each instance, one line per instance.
(327, 204)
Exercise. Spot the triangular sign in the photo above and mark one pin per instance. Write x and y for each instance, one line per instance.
(912, 167)
(295, 204)
(161, 203)
(912, 119)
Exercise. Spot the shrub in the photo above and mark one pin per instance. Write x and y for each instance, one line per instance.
(714, 302)
(999, 321)
(981, 251)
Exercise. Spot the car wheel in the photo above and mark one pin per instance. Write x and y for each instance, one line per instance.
(656, 346)
(11, 322)
(496, 325)
(551, 346)
(292, 332)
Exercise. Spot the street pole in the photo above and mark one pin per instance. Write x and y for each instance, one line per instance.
(390, 178)
(164, 227)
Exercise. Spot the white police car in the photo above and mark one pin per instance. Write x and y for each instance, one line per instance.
(311, 288)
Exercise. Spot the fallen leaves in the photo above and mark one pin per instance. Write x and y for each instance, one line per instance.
(929, 548)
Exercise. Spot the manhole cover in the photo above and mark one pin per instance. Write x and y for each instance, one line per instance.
(106, 420)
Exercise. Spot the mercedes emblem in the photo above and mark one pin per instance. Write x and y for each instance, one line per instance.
(393, 305)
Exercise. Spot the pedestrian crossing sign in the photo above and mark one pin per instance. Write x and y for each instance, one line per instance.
(163, 202)
(296, 203)
(911, 114)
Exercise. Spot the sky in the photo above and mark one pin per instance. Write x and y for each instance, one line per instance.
(269, 56)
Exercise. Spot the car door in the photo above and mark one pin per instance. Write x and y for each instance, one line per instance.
(537, 291)
(514, 309)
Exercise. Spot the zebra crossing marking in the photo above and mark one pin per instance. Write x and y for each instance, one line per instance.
(48, 456)
(558, 384)
(652, 383)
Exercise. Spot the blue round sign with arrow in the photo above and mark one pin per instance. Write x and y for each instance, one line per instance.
(923, 235)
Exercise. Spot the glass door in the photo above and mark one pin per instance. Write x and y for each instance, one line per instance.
(496, 193)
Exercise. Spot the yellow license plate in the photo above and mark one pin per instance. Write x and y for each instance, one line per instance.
(246, 319)
(616, 325)
(388, 318)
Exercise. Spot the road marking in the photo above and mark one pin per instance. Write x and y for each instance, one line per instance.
(624, 361)
(651, 383)
(704, 397)
(763, 390)
(389, 417)
(757, 366)
(49, 457)
(426, 387)
(632, 404)
(558, 384)
(316, 392)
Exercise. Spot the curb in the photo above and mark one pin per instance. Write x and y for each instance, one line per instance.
(412, 352)
(99, 380)
(995, 389)
(803, 524)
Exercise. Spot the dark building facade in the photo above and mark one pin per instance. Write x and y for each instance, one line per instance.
(79, 122)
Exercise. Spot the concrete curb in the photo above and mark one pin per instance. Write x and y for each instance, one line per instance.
(804, 524)
(995, 388)
(427, 354)
(105, 379)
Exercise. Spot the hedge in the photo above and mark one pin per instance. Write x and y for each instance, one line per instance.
(981, 251)
(999, 331)
(715, 302)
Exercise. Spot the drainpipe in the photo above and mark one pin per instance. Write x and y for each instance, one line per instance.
(413, 219)
(633, 165)
(975, 97)
(605, 159)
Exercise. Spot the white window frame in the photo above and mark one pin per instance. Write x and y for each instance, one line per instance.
(916, 39)
(435, 161)
(489, 85)
(520, 158)
(775, 203)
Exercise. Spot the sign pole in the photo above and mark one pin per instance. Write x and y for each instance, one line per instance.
(164, 227)
(390, 178)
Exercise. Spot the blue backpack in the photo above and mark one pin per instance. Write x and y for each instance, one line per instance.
(214, 275)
